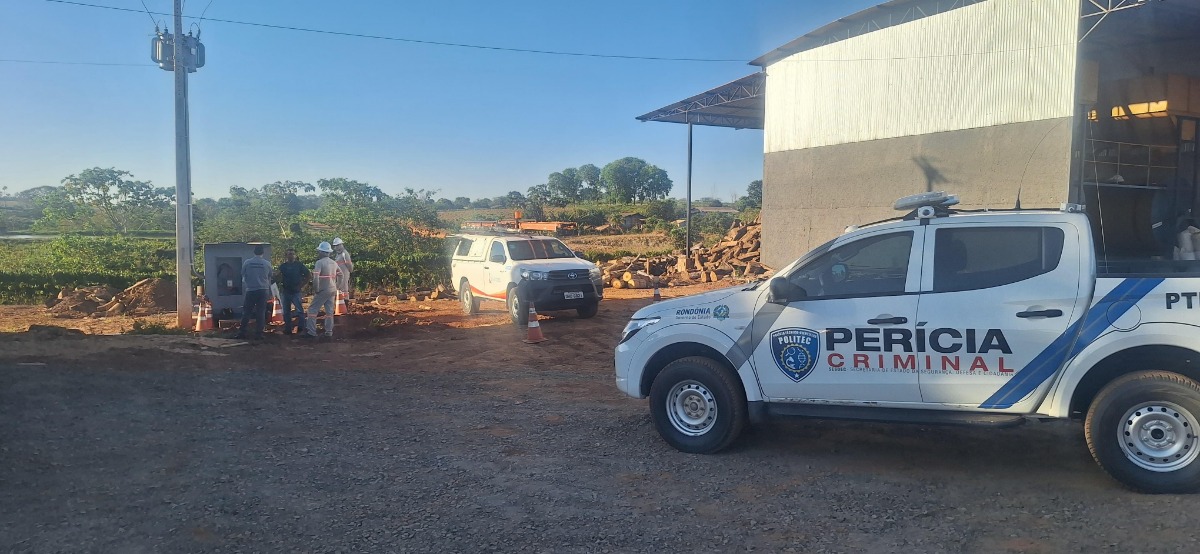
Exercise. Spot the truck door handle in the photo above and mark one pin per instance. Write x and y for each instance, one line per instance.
(1040, 313)
(886, 320)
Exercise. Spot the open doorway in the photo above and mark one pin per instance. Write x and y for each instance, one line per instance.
(1138, 92)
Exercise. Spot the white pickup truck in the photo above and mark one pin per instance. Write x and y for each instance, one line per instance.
(941, 317)
(520, 269)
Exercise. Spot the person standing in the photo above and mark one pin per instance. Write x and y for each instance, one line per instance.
(291, 276)
(324, 274)
(342, 257)
(256, 285)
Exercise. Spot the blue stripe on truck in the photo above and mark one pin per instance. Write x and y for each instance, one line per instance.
(1067, 345)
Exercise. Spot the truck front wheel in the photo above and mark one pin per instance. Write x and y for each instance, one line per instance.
(697, 406)
(1143, 430)
(518, 310)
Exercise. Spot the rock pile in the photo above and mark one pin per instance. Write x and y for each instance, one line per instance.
(736, 256)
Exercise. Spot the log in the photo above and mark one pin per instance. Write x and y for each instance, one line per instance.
(618, 284)
(137, 284)
(639, 281)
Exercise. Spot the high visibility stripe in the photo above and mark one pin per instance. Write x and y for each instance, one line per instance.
(1089, 328)
(500, 296)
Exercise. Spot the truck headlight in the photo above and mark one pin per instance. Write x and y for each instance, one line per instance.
(594, 273)
(636, 325)
(534, 275)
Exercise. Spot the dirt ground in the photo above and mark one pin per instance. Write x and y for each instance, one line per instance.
(421, 430)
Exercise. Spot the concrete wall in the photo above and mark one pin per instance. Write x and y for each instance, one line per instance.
(810, 195)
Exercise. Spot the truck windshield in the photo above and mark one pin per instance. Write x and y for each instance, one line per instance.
(538, 250)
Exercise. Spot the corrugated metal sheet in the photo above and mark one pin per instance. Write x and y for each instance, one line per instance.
(993, 63)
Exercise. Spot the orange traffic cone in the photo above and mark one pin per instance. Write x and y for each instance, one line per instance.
(657, 294)
(276, 312)
(204, 320)
(340, 308)
(535, 330)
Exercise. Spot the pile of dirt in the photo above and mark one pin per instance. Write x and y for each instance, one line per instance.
(146, 297)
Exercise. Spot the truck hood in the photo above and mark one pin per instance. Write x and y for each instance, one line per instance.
(555, 264)
(696, 301)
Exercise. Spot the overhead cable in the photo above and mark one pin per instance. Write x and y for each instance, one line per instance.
(420, 41)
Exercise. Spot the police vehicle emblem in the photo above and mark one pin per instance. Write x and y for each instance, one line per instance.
(795, 351)
(571, 275)
(721, 313)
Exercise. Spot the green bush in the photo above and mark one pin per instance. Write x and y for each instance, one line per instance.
(35, 270)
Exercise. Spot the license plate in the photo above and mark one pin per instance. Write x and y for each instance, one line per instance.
(573, 295)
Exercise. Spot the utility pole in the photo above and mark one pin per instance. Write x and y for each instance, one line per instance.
(688, 223)
(181, 55)
(183, 180)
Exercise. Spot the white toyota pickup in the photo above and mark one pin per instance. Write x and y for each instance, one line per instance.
(520, 269)
(941, 317)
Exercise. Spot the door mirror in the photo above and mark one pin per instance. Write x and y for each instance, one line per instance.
(579, 253)
(784, 292)
(497, 258)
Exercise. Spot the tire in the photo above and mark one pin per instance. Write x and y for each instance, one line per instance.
(1143, 430)
(697, 405)
(518, 309)
(588, 310)
(470, 304)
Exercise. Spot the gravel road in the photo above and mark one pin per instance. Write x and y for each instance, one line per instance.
(438, 439)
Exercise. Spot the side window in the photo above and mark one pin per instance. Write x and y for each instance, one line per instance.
(464, 247)
(873, 266)
(970, 258)
(497, 253)
(477, 249)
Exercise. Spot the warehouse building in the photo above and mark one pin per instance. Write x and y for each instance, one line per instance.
(1048, 101)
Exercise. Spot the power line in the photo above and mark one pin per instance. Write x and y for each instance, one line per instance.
(6, 60)
(204, 12)
(428, 42)
(152, 20)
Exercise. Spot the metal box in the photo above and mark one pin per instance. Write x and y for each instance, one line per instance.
(223, 275)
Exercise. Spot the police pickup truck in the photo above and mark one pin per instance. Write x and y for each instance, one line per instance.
(941, 317)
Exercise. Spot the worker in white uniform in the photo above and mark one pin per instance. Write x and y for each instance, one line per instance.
(325, 276)
(342, 257)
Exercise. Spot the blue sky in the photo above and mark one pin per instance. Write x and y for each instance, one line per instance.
(284, 105)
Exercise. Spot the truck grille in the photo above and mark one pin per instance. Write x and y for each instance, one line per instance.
(565, 274)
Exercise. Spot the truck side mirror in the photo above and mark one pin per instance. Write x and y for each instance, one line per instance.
(784, 292)
(579, 253)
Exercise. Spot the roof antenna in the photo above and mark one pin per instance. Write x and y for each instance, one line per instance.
(1018, 206)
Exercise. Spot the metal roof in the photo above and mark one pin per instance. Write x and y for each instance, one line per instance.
(738, 104)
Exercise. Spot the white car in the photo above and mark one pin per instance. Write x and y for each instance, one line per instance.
(519, 269)
(970, 318)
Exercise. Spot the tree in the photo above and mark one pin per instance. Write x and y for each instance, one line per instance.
(481, 203)
(633, 180)
(564, 186)
(444, 204)
(665, 210)
(462, 202)
(538, 195)
(753, 198)
(591, 187)
(100, 199)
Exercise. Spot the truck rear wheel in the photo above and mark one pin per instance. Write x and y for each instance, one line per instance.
(470, 304)
(1143, 430)
(697, 406)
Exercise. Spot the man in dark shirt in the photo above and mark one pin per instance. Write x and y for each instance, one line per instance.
(291, 277)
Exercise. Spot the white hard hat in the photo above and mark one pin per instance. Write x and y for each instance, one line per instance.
(337, 241)
(324, 247)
